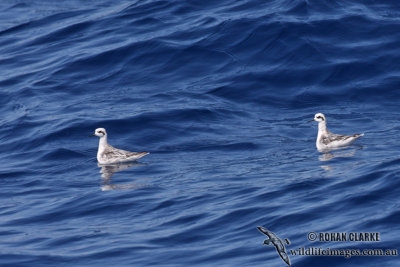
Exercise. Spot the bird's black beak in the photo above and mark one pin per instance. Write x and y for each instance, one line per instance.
(311, 120)
(91, 135)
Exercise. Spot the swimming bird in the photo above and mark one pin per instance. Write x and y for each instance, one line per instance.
(277, 242)
(107, 154)
(326, 140)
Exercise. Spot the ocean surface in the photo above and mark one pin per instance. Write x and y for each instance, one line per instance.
(220, 93)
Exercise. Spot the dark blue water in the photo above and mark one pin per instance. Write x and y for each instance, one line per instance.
(220, 93)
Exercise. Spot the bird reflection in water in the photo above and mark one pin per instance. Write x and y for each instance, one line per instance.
(107, 171)
(337, 154)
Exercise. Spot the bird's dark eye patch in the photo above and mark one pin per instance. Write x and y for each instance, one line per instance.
(319, 117)
(101, 132)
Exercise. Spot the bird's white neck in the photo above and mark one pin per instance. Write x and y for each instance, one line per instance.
(102, 143)
(322, 127)
(322, 130)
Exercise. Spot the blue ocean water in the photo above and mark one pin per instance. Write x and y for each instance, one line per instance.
(219, 92)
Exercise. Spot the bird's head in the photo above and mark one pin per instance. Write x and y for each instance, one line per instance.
(100, 132)
(319, 117)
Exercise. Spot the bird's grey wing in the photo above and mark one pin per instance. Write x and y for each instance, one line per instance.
(330, 137)
(136, 154)
(284, 256)
(280, 248)
(112, 152)
(265, 231)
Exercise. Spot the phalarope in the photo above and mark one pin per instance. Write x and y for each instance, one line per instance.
(107, 154)
(327, 140)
